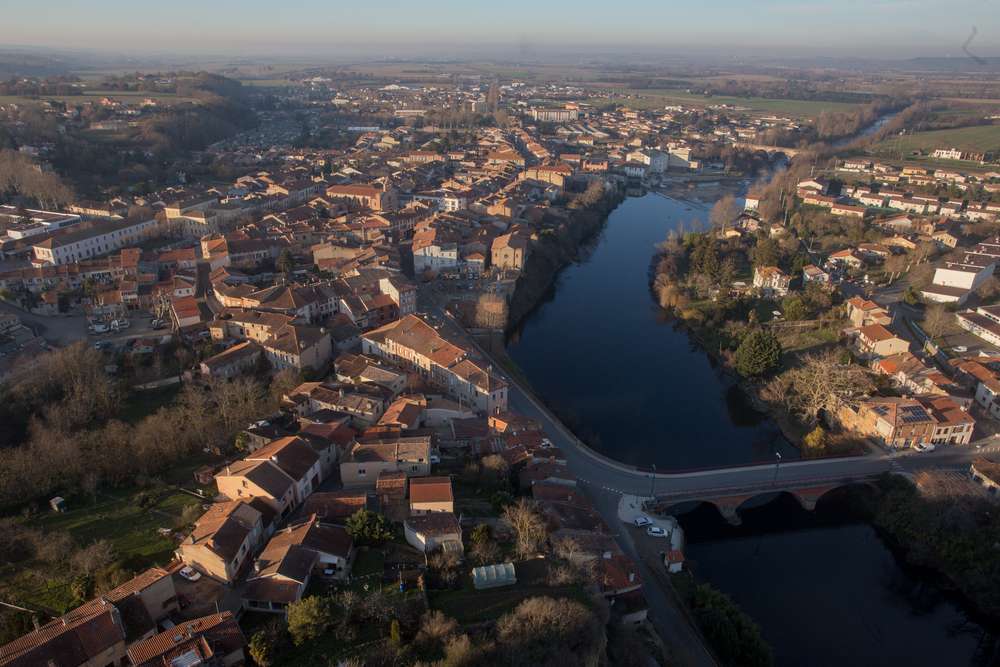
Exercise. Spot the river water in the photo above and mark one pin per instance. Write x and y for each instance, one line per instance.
(614, 365)
(621, 372)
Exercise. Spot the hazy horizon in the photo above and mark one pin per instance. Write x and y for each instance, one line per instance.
(881, 29)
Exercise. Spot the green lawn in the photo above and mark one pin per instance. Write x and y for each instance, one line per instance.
(979, 137)
(116, 517)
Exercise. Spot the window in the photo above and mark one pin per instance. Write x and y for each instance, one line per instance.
(362, 471)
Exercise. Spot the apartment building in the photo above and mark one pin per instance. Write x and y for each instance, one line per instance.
(101, 239)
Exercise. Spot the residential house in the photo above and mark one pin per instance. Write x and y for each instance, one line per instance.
(291, 558)
(431, 494)
(223, 540)
(433, 531)
(366, 461)
(771, 281)
(237, 360)
(877, 341)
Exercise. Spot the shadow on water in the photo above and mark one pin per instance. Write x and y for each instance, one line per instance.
(826, 590)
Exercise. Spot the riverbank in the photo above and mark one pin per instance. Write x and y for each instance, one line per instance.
(555, 252)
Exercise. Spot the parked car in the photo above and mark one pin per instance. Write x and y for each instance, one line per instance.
(121, 324)
(656, 531)
(158, 324)
(99, 328)
(546, 443)
(643, 520)
(189, 573)
(435, 459)
(924, 447)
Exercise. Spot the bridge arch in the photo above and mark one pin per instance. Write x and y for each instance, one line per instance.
(731, 505)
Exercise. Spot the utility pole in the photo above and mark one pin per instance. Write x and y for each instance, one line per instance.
(652, 483)
(777, 464)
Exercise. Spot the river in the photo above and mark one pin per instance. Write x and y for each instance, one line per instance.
(628, 380)
(621, 372)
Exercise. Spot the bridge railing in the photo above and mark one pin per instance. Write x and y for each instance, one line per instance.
(779, 485)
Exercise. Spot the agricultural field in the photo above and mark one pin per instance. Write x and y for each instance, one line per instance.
(979, 138)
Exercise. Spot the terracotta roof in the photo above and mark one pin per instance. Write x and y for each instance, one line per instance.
(217, 635)
(431, 490)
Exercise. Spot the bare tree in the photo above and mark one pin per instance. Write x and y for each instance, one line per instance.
(823, 384)
(528, 526)
(936, 320)
(724, 213)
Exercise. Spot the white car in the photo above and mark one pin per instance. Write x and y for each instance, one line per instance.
(190, 573)
(99, 328)
(435, 459)
(924, 447)
(547, 444)
(643, 520)
(656, 531)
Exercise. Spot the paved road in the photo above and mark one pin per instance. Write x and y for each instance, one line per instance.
(59, 330)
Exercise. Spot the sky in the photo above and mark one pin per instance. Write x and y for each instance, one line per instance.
(255, 28)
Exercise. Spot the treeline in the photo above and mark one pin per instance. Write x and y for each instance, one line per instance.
(839, 124)
(61, 434)
(21, 178)
(732, 635)
(62, 86)
(955, 535)
(539, 631)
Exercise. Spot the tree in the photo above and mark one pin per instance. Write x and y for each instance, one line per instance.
(309, 618)
(758, 353)
(528, 526)
(822, 383)
(723, 213)
(549, 631)
(767, 252)
(367, 528)
(265, 643)
(732, 634)
(794, 308)
(936, 320)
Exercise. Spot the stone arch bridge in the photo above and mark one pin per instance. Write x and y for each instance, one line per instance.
(729, 500)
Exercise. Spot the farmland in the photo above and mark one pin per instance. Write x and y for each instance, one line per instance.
(976, 138)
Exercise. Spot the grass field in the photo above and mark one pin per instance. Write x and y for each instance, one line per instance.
(979, 138)
(115, 517)
(657, 99)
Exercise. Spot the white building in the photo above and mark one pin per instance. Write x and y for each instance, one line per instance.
(88, 243)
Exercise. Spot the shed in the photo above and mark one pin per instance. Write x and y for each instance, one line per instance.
(494, 576)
